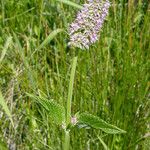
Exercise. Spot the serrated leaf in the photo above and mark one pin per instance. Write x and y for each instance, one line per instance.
(56, 112)
(97, 123)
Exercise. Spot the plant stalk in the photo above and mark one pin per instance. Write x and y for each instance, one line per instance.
(70, 90)
(69, 100)
(67, 140)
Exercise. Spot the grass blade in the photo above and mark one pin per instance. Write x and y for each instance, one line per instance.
(8, 42)
(5, 107)
(48, 39)
(71, 4)
(103, 143)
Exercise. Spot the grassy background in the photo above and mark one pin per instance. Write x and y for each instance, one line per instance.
(112, 78)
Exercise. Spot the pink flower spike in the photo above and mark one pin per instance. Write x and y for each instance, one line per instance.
(85, 29)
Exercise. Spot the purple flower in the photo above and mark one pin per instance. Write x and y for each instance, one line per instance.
(85, 29)
(74, 120)
(93, 38)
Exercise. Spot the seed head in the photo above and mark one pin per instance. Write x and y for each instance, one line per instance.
(85, 29)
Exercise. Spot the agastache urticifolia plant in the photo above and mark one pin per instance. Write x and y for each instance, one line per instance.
(84, 31)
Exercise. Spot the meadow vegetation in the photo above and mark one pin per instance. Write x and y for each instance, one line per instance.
(111, 78)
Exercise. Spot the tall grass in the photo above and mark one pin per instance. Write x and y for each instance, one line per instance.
(112, 78)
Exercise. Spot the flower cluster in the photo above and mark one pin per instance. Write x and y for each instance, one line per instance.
(85, 29)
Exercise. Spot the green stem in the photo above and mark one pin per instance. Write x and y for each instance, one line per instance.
(70, 90)
(69, 100)
(67, 140)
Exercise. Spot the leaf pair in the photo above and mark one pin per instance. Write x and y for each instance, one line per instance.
(57, 114)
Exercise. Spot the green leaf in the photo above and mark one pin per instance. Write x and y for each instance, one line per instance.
(97, 123)
(71, 4)
(5, 108)
(48, 39)
(56, 112)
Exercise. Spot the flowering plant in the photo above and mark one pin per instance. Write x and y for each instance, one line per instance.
(85, 29)
(83, 32)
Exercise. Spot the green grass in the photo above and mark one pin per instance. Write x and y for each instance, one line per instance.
(111, 79)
